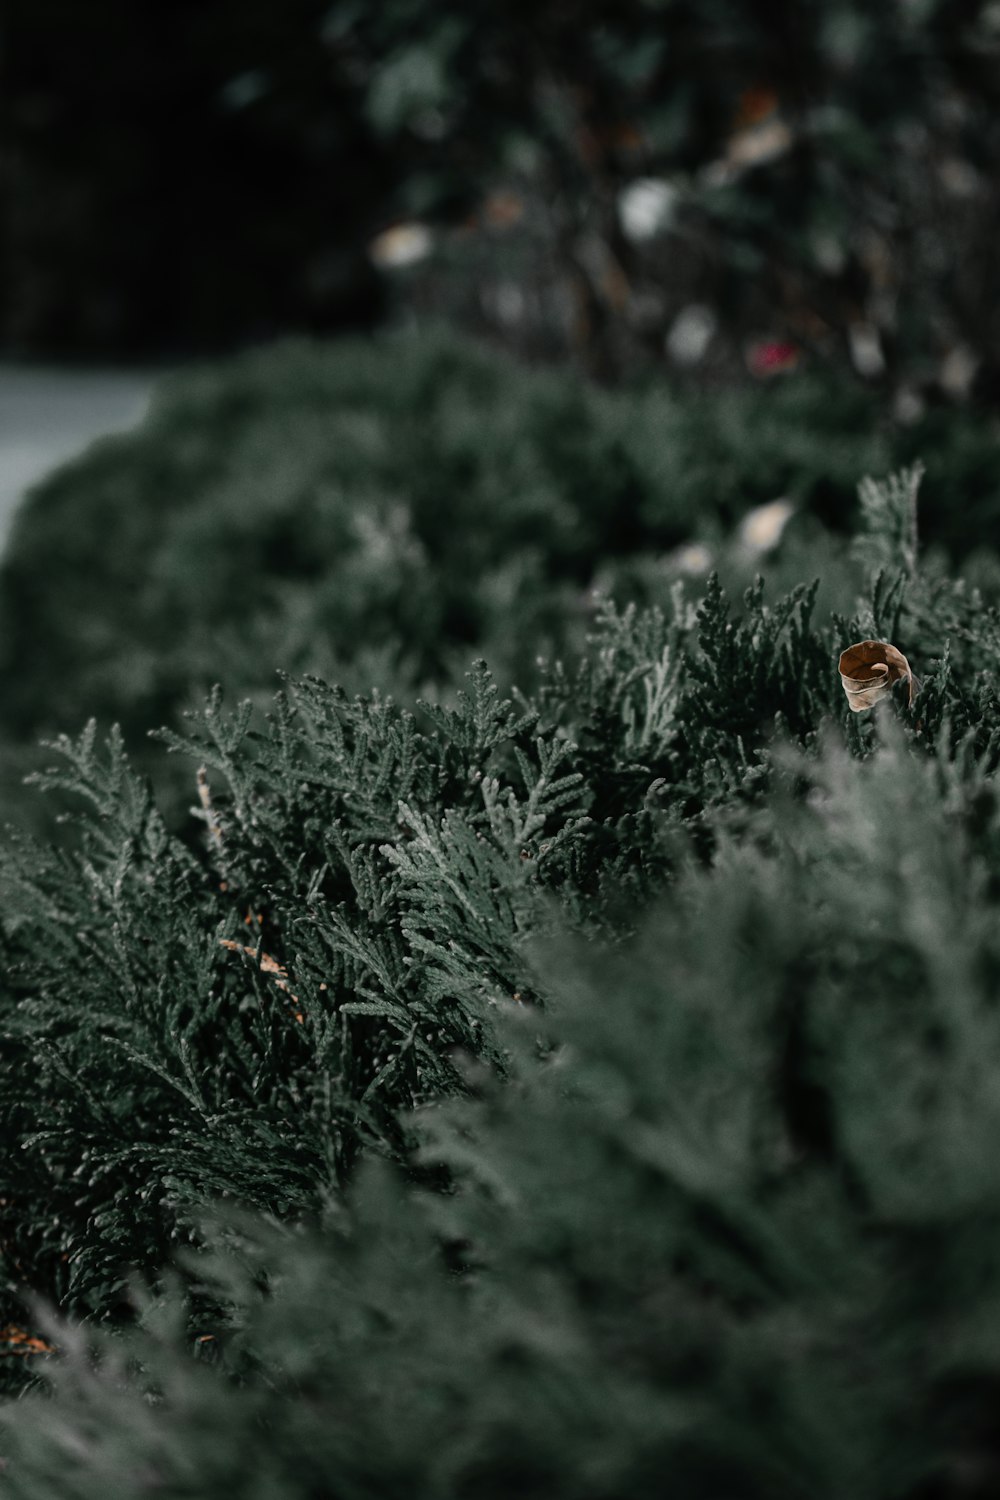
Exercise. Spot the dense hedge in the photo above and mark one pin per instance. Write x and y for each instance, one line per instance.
(384, 511)
(584, 1095)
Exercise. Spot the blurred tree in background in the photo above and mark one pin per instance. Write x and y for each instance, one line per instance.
(713, 184)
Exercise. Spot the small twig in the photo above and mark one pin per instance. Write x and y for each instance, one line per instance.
(211, 821)
(268, 965)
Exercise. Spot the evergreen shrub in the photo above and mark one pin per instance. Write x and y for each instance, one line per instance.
(586, 1094)
(385, 511)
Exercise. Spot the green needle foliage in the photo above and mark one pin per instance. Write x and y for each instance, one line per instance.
(729, 1222)
(586, 1094)
(387, 511)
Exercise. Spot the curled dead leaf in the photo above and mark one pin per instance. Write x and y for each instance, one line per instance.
(868, 671)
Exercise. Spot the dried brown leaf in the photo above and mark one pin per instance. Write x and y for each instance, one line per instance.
(868, 671)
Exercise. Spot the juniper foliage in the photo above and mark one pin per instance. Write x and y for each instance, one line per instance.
(385, 511)
(370, 877)
(599, 1080)
(728, 1220)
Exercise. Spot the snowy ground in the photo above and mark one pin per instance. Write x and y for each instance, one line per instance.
(47, 416)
